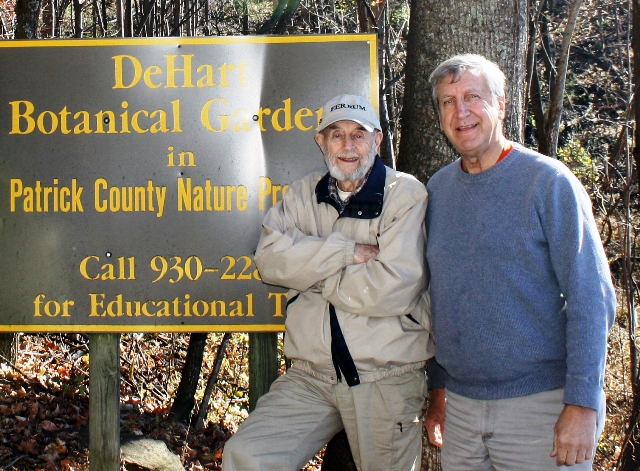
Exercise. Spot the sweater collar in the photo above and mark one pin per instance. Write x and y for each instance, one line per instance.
(496, 169)
(367, 203)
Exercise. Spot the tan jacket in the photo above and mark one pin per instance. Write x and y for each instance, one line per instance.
(381, 306)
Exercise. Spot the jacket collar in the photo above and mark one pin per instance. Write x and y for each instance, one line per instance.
(367, 203)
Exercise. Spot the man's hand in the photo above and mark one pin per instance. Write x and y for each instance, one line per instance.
(574, 438)
(363, 253)
(434, 420)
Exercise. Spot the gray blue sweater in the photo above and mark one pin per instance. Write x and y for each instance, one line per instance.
(521, 292)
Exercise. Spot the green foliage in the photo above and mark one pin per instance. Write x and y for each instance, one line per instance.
(399, 17)
(579, 161)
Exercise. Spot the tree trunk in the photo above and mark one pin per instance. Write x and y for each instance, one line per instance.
(48, 19)
(27, 12)
(127, 19)
(211, 382)
(119, 18)
(635, 44)
(372, 19)
(77, 19)
(9, 346)
(184, 400)
(630, 456)
(437, 31)
(337, 455)
(553, 116)
(103, 9)
(176, 6)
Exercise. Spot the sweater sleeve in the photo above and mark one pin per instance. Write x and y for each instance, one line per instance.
(436, 374)
(391, 283)
(581, 267)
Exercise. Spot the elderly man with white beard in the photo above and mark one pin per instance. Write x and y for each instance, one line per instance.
(348, 245)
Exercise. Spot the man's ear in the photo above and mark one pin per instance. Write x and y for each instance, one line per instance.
(319, 137)
(502, 108)
(379, 137)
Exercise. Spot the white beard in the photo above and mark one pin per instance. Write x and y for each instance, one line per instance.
(357, 174)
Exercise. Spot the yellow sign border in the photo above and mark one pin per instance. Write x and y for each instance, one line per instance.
(77, 328)
(91, 42)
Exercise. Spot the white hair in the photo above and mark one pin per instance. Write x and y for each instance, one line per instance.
(455, 66)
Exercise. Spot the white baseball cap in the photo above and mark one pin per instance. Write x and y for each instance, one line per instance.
(352, 108)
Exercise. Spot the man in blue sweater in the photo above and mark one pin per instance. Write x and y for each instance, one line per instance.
(522, 298)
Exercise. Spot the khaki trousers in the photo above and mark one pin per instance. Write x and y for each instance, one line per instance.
(300, 414)
(514, 434)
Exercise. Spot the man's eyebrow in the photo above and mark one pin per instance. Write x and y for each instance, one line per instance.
(472, 91)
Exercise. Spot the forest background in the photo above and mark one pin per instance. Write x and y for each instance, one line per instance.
(574, 101)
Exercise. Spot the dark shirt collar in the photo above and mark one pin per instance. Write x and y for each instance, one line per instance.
(365, 202)
(334, 194)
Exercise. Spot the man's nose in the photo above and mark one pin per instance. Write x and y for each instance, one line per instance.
(462, 109)
(349, 142)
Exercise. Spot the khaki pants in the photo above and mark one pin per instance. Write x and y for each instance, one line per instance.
(514, 434)
(300, 414)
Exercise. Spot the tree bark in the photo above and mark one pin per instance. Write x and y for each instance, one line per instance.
(8, 346)
(537, 22)
(127, 19)
(119, 18)
(27, 12)
(176, 6)
(439, 30)
(48, 19)
(337, 455)
(211, 382)
(554, 113)
(630, 455)
(103, 9)
(77, 19)
(184, 400)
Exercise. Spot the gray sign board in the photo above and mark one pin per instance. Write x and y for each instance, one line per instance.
(134, 174)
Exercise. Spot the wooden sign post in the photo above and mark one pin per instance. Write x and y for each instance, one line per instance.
(104, 402)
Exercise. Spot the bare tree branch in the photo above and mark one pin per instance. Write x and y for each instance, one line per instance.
(554, 113)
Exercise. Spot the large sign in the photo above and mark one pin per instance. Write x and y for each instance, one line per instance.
(134, 174)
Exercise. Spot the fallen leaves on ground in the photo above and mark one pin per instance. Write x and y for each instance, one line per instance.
(44, 400)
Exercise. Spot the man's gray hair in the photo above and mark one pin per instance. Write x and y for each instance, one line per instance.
(455, 66)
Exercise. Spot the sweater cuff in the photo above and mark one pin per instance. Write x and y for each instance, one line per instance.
(349, 251)
(435, 374)
(582, 392)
